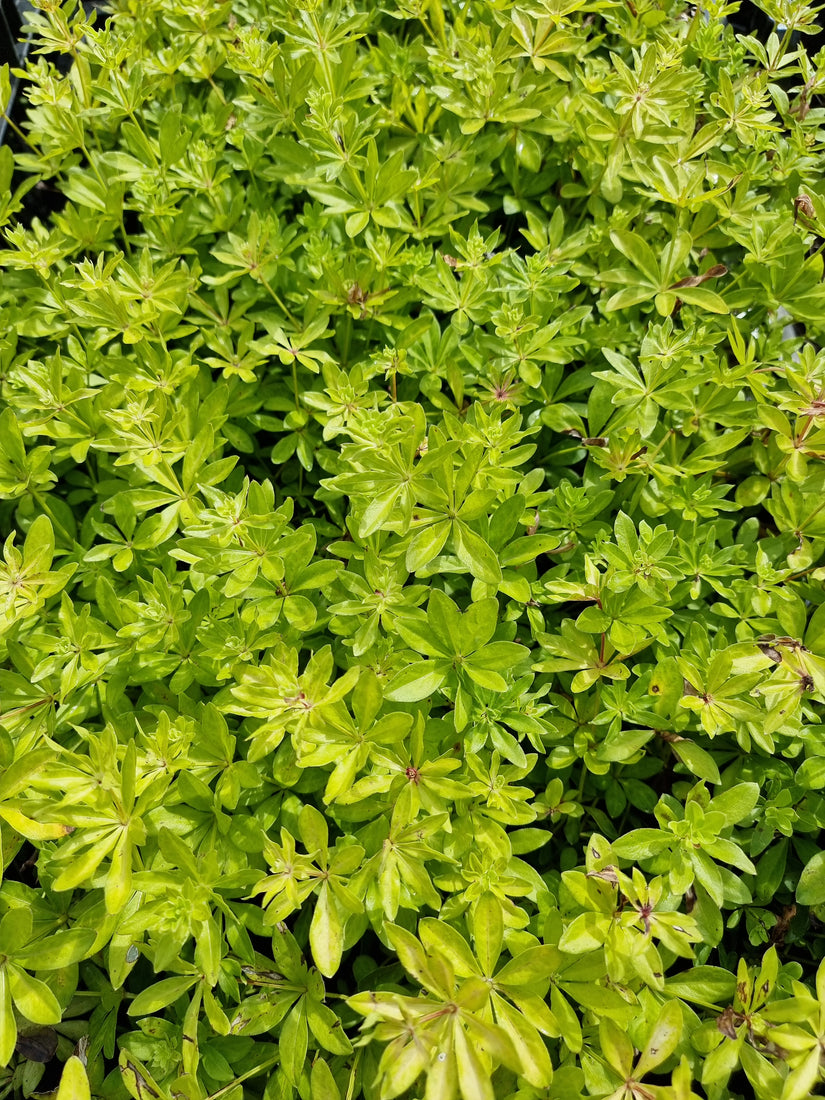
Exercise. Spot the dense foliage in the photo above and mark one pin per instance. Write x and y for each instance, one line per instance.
(412, 631)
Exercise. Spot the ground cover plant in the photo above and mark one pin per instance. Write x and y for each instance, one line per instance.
(412, 631)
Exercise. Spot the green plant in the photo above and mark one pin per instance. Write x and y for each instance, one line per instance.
(412, 634)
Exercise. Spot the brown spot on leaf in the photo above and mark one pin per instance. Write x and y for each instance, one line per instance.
(728, 1022)
(715, 272)
(607, 874)
(803, 205)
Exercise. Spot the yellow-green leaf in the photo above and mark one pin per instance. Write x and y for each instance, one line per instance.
(8, 1027)
(74, 1084)
(326, 933)
(33, 998)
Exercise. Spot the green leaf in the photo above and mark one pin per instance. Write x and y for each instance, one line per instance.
(419, 680)
(442, 1076)
(293, 1043)
(161, 994)
(119, 879)
(32, 997)
(703, 297)
(641, 843)
(664, 1039)
(83, 866)
(38, 549)
(696, 760)
(586, 932)
(59, 950)
(15, 929)
(447, 941)
(487, 923)
(326, 933)
(802, 1079)
(475, 553)
(427, 544)
(616, 1048)
(810, 889)
(634, 248)
(811, 774)
(737, 802)
(710, 986)
(326, 1028)
(623, 744)
(313, 830)
(74, 1084)
(494, 1040)
(474, 1083)
(402, 1072)
(8, 1026)
(536, 1066)
(411, 954)
(534, 964)
(322, 1083)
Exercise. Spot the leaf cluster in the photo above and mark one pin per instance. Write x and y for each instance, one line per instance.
(412, 632)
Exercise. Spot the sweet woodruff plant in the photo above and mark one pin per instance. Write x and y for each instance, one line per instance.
(412, 628)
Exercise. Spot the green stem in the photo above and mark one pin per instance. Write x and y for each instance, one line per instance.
(207, 308)
(127, 248)
(811, 515)
(353, 1075)
(92, 165)
(783, 45)
(346, 336)
(355, 180)
(245, 1077)
(277, 300)
(217, 90)
(426, 25)
(16, 129)
(324, 60)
